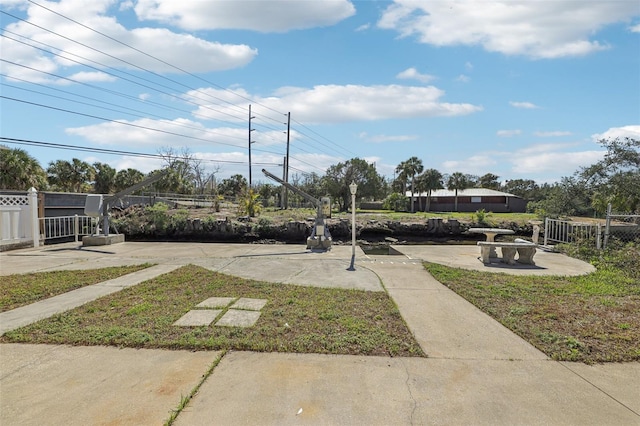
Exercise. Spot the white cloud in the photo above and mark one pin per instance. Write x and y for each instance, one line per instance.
(475, 164)
(386, 138)
(262, 16)
(635, 28)
(192, 53)
(413, 74)
(508, 133)
(632, 132)
(563, 163)
(86, 77)
(552, 134)
(468, 66)
(339, 104)
(538, 29)
(138, 133)
(363, 27)
(523, 105)
(463, 78)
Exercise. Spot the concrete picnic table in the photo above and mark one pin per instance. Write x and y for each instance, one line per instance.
(491, 235)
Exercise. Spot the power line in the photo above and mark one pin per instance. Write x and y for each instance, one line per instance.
(119, 76)
(267, 117)
(109, 151)
(150, 56)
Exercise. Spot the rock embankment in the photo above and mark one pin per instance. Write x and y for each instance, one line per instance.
(136, 224)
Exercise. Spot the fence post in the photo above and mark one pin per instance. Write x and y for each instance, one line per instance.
(607, 226)
(546, 230)
(598, 236)
(75, 227)
(33, 207)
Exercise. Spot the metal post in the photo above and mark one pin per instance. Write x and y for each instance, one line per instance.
(353, 188)
(75, 227)
(250, 130)
(607, 226)
(546, 230)
(286, 164)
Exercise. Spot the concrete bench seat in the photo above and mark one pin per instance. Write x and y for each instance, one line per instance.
(526, 251)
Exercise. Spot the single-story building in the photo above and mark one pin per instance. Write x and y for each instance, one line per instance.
(470, 200)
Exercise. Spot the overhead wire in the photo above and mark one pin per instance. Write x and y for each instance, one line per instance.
(163, 77)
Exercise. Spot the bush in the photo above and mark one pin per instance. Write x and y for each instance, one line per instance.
(481, 217)
(396, 202)
(617, 255)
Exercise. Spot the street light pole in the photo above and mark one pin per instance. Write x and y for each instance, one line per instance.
(353, 188)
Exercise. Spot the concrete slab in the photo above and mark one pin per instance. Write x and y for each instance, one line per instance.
(290, 264)
(216, 302)
(619, 380)
(102, 240)
(236, 318)
(198, 318)
(446, 325)
(285, 389)
(249, 304)
(467, 257)
(63, 385)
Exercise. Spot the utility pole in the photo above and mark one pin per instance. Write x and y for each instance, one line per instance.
(286, 163)
(250, 142)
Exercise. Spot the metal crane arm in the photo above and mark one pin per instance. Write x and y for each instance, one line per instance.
(303, 194)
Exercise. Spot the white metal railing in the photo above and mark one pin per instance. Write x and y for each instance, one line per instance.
(563, 231)
(67, 226)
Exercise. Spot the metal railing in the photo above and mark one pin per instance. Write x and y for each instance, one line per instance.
(67, 226)
(564, 231)
(622, 227)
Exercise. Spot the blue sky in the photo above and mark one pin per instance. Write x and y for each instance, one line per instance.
(521, 89)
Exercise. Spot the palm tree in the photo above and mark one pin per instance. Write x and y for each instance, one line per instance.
(19, 170)
(430, 180)
(457, 181)
(70, 176)
(409, 169)
(126, 178)
(105, 178)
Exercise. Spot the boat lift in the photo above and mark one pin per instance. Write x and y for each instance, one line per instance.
(320, 238)
(97, 205)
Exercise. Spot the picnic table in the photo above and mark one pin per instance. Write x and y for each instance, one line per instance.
(491, 233)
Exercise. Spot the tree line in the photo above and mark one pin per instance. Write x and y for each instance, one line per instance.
(615, 179)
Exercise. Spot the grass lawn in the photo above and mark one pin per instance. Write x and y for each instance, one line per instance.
(592, 318)
(22, 289)
(295, 318)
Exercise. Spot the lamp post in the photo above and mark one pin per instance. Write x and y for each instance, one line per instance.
(353, 188)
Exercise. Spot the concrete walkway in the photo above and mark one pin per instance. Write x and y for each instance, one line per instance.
(477, 371)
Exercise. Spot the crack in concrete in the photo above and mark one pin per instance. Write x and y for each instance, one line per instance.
(413, 400)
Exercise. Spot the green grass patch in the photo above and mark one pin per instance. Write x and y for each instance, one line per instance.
(295, 319)
(591, 318)
(22, 289)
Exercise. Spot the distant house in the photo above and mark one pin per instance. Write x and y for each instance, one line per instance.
(470, 200)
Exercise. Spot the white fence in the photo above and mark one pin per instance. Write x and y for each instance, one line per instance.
(20, 225)
(19, 219)
(67, 226)
(563, 231)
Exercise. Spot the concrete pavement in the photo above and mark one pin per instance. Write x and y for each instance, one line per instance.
(477, 371)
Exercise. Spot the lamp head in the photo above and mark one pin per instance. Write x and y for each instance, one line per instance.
(353, 188)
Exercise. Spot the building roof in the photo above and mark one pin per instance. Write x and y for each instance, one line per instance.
(469, 192)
